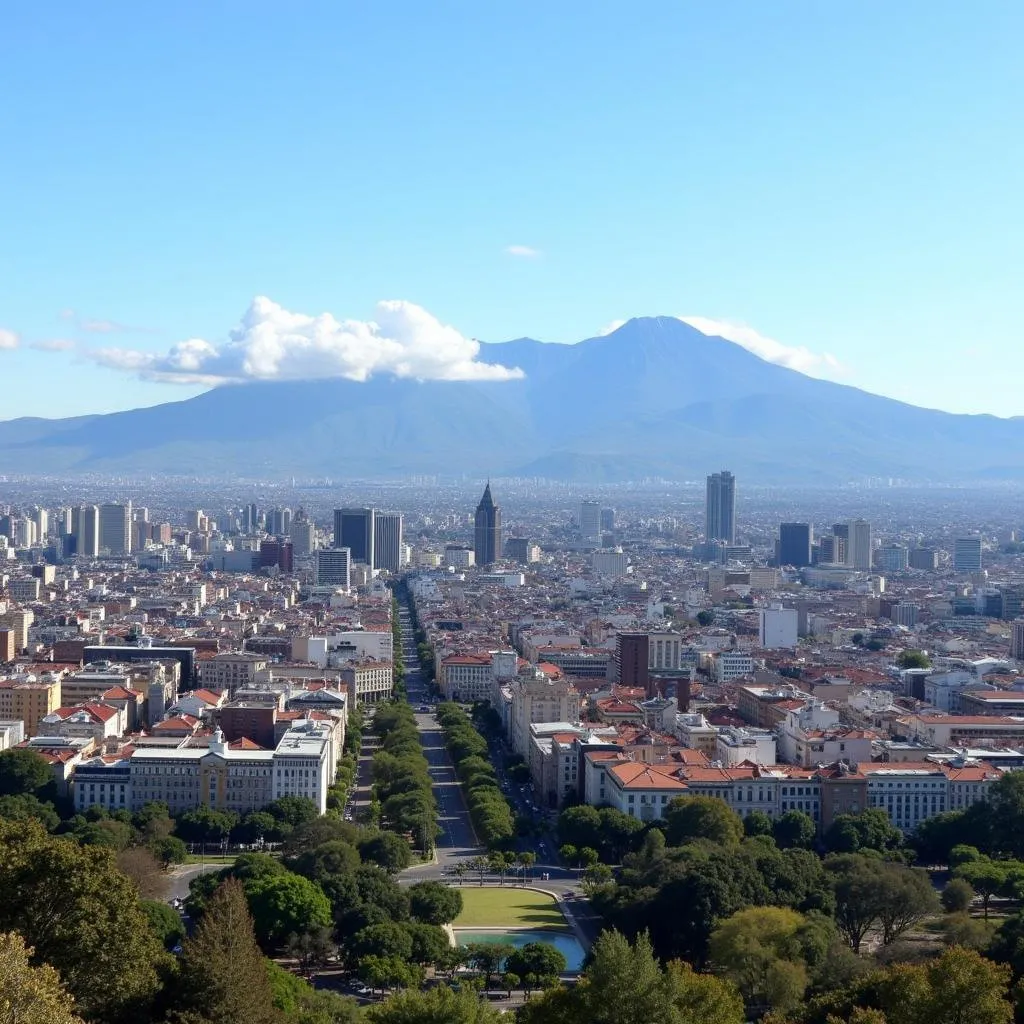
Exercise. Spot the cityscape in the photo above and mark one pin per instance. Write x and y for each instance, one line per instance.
(511, 513)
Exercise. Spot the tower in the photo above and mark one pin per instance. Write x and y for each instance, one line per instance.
(858, 546)
(590, 522)
(115, 528)
(720, 507)
(487, 532)
(795, 544)
(387, 541)
(353, 529)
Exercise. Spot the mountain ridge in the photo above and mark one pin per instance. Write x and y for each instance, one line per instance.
(654, 397)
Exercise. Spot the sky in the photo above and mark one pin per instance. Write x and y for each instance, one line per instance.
(194, 192)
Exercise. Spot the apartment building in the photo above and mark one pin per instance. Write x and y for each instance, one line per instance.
(369, 681)
(231, 670)
(536, 698)
(29, 701)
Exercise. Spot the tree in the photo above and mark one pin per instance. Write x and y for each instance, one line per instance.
(986, 877)
(255, 826)
(30, 995)
(168, 850)
(223, 977)
(957, 895)
(145, 871)
(858, 895)
(868, 830)
(388, 850)
(438, 1006)
(689, 818)
(705, 618)
(329, 865)
(794, 829)
(487, 957)
(759, 950)
(383, 940)
(540, 958)
(624, 984)
(430, 944)
(80, 915)
(205, 825)
(568, 853)
(1005, 802)
(906, 897)
(23, 771)
(292, 812)
(285, 904)
(165, 923)
(434, 903)
(757, 823)
(580, 826)
(913, 659)
(25, 807)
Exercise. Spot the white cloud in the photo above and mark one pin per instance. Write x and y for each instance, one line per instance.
(53, 345)
(614, 325)
(272, 343)
(8, 339)
(814, 364)
(525, 251)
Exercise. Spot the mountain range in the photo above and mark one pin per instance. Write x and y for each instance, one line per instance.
(655, 397)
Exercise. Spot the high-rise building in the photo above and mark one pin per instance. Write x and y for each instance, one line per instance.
(353, 529)
(280, 522)
(923, 558)
(303, 537)
(487, 532)
(116, 528)
(387, 541)
(334, 567)
(795, 541)
(87, 530)
(632, 660)
(967, 554)
(894, 557)
(607, 520)
(1017, 640)
(589, 517)
(858, 545)
(720, 507)
(521, 549)
(250, 518)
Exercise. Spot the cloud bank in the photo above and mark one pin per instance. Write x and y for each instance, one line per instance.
(523, 251)
(794, 357)
(272, 343)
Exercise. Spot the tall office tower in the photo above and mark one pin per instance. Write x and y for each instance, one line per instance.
(967, 554)
(607, 520)
(115, 528)
(42, 520)
(632, 659)
(858, 545)
(589, 517)
(353, 529)
(140, 514)
(387, 541)
(303, 537)
(487, 531)
(334, 567)
(894, 557)
(87, 531)
(250, 518)
(795, 541)
(280, 522)
(720, 508)
(194, 519)
(6, 525)
(64, 522)
(141, 535)
(1017, 641)
(924, 558)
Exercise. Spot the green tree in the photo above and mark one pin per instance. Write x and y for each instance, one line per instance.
(434, 902)
(80, 915)
(1005, 800)
(329, 865)
(256, 825)
(540, 958)
(487, 957)
(986, 877)
(794, 829)
(286, 904)
(384, 940)
(300, 1003)
(28, 994)
(205, 825)
(165, 923)
(705, 618)
(430, 944)
(23, 771)
(388, 850)
(224, 977)
(26, 807)
(858, 895)
(757, 823)
(168, 850)
(759, 950)
(292, 812)
(689, 818)
(906, 898)
(868, 830)
(438, 1006)
(580, 826)
(957, 896)
(913, 659)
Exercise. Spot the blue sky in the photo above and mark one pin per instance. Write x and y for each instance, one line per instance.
(843, 178)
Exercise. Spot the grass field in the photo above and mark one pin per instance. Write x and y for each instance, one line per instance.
(492, 907)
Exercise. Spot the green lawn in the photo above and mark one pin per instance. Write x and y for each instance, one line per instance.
(492, 907)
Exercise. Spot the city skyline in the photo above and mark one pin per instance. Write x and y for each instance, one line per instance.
(845, 230)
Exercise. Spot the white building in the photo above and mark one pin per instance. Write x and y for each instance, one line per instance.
(230, 670)
(813, 735)
(729, 665)
(734, 746)
(858, 546)
(778, 627)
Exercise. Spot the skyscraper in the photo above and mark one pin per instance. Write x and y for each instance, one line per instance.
(387, 541)
(86, 521)
(795, 544)
(116, 528)
(967, 554)
(353, 529)
(334, 567)
(590, 521)
(487, 533)
(720, 507)
(858, 544)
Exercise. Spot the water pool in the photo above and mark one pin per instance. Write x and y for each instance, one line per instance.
(565, 942)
